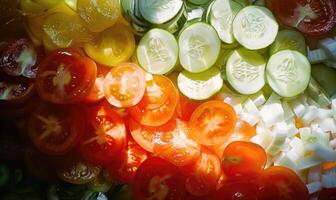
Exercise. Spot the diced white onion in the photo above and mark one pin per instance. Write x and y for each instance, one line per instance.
(317, 56)
(314, 187)
(329, 179)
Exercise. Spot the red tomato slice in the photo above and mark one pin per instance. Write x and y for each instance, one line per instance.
(56, 129)
(19, 58)
(158, 104)
(203, 175)
(15, 92)
(106, 138)
(158, 179)
(65, 76)
(279, 183)
(144, 135)
(310, 17)
(243, 190)
(125, 85)
(243, 160)
(97, 92)
(327, 194)
(176, 146)
(186, 107)
(132, 158)
(212, 122)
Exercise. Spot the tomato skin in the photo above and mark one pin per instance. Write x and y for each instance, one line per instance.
(56, 129)
(274, 181)
(19, 58)
(156, 111)
(327, 194)
(105, 137)
(322, 19)
(243, 190)
(132, 158)
(157, 177)
(65, 76)
(186, 107)
(212, 119)
(242, 160)
(96, 93)
(203, 175)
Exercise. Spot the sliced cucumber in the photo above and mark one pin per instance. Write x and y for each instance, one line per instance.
(255, 27)
(199, 47)
(245, 71)
(199, 2)
(157, 51)
(221, 16)
(289, 39)
(288, 73)
(221, 61)
(159, 12)
(316, 92)
(200, 86)
(326, 77)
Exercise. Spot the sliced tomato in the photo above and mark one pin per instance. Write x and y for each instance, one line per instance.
(176, 146)
(97, 92)
(132, 158)
(56, 129)
(310, 17)
(279, 183)
(186, 107)
(243, 190)
(243, 160)
(125, 85)
(158, 104)
(212, 122)
(106, 138)
(144, 135)
(327, 194)
(15, 92)
(158, 179)
(19, 58)
(203, 175)
(65, 76)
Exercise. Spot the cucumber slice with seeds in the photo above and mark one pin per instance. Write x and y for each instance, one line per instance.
(199, 47)
(200, 86)
(289, 39)
(288, 73)
(245, 71)
(157, 51)
(255, 27)
(221, 18)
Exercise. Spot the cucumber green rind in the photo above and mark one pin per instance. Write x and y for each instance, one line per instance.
(288, 73)
(200, 86)
(199, 47)
(289, 39)
(157, 51)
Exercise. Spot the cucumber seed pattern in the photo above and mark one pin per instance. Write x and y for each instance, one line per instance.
(196, 47)
(253, 25)
(244, 71)
(287, 71)
(159, 5)
(157, 50)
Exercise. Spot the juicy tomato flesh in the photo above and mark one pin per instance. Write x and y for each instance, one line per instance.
(106, 137)
(186, 107)
(96, 94)
(310, 17)
(15, 93)
(158, 179)
(279, 183)
(212, 122)
(124, 85)
(176, 146)
(65, 76)
(241, 190)
(158, 103)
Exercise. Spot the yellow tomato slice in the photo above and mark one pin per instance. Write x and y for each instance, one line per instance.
(113, 46)
(99, 14)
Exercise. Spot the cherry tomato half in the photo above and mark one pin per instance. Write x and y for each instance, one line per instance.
(56, 129)
(243, 160)
(125, 85)
(279, 183)
(106, 137)
(310, 17)
(186, 107)
(65, 76)
(15, 92)
(158, 104)
(327, 194)
(158, 179)
(243, 190)
(212, 122)
(97, 92)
